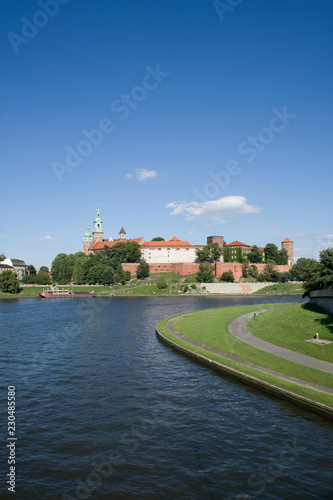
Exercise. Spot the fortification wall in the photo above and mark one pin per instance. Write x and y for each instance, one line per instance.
(185, 268)
(322, 299)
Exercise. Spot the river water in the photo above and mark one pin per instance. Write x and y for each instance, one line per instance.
(106, 411)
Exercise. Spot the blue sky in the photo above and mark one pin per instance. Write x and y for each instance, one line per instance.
(179, 118)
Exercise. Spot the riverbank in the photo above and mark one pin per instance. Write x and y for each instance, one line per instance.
(209, 329)
(168, 284)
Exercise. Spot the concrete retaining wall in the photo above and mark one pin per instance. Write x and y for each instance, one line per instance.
(234, 288)
(322, 299)
(301, 401)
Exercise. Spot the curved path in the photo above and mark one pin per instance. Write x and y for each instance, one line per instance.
(238, 328)
(295, 380)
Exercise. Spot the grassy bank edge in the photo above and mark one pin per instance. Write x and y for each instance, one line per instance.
(303, 396)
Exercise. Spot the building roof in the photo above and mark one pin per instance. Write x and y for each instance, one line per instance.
(174, 242)
(237, 244)
(18, 262)
(122, 231)
(260, 248)
(99, 245)
(5, 266)
(287, 240)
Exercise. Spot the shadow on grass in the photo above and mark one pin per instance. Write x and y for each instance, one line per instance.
(326, 321)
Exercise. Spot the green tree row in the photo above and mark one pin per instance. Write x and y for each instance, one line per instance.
(104, 266)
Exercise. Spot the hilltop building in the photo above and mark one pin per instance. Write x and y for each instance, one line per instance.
(244, 248)
(289, 246)
(163, 254)
(17, 266)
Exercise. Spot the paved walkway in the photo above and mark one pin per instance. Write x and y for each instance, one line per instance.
(244, 362)
(238, 328)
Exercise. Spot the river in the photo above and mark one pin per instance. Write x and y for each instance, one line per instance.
(104, 410)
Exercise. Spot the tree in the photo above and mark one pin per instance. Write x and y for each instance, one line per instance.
(255, 255)
(253, 271)
(215, 251)
(203, 255)
(43, 278)
(209, 253)
(9, 282)
(32, 270)
(283, 257)
(271, 253)
(132, 251)
(319, 275)
(245, 270)
(158, 238)
(44, 268)
(28, 280)
(227, 254)
(205, 273)
(81, 267)
(95, 274)
(120, 275)
(227, 276)
(271, 273)
(297, 272)
(62, 268)
(127, 275)
(108, 277)
(142, 271)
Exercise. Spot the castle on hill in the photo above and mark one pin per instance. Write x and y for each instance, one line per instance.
(161, 253)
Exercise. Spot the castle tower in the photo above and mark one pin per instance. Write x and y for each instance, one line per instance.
(289, 246)
(87, 240)
(215, 239)
(122, 234)
(98, 227)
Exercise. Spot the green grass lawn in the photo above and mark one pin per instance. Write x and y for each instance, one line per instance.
(148, 286)
(290, 327)
(210, 327)
(280, 288)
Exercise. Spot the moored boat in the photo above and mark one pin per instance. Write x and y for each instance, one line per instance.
(55, 293)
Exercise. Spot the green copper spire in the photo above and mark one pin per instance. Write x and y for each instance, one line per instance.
(98, 223)
(88, 236)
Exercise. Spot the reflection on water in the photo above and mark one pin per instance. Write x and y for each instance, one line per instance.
(106, 411)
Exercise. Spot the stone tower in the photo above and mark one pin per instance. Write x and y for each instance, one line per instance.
(87, 240)
(122, 234)
(98, 227)
(215, 239)
(289, 246)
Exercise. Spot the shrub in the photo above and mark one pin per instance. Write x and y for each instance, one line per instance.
(227, 277)
(205, 273)
(161, 284)
(253, 271)
(142, 271)
(261, 278)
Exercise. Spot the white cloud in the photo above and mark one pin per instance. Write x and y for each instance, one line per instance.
(325, 237)
(142, 174)
(46, 238)
(217, 210)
